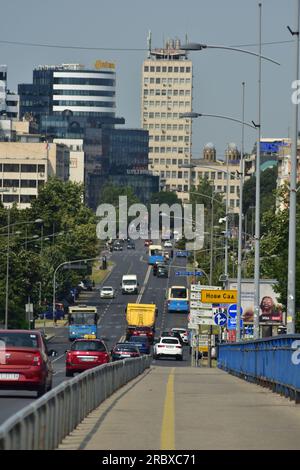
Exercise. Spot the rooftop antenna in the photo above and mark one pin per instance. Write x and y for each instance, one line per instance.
(149, 40)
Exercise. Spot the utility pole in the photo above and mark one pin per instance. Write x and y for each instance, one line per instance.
(291, 292)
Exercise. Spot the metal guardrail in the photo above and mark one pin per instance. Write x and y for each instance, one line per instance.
(43, 424)
(270, 362)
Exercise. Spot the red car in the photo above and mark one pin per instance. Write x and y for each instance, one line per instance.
(86, 354)
(24, 361)
(148, 242)
(141, 331)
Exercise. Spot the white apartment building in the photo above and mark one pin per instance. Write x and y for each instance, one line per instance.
(75, 146)
(26, 166)
(167, 78)
(9, 102)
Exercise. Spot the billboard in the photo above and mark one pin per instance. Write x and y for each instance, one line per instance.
(271, 311)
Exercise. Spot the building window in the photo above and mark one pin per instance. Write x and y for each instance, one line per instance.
(10, 183)
(152, 69)
(146, 68)
(11, 167)
(220, 175)
(27, 198)
(10, 198)
(28, 183)
(232, 189)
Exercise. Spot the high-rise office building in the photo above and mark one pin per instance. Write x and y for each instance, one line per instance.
(70, 88)
(166, 93)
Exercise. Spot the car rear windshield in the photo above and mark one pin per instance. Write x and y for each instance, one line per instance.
(88, 346)
(169, 341)
(109, 289)
(126, 348)
(21, 340)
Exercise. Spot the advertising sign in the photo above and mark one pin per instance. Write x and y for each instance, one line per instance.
(271, 311)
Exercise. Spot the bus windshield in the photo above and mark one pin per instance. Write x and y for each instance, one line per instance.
(81, 318)
(178, 293)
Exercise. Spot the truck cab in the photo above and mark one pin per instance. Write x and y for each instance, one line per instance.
(129, 284)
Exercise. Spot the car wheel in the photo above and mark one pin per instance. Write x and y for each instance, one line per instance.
(42, 390)
(69, 373)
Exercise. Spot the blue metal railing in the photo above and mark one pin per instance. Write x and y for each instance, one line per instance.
(272, 362)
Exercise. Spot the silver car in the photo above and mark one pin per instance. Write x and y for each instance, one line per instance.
(107, 292)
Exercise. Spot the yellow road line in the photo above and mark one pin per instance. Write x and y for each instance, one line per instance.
(167, 437)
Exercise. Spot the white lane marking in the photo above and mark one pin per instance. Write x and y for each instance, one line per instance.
(59, 357)
(144, 285)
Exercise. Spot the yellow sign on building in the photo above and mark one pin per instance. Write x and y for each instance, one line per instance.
(100, 64)
(219, 296)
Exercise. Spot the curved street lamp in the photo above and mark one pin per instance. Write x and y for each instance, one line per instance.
(201, 47)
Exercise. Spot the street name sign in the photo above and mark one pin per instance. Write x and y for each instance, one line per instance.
(219, 296)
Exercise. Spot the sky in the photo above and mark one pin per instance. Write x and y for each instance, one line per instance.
(119, 29)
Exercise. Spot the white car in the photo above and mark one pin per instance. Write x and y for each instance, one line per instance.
(183, 333)
(168, 244)
(168, 346)
(107, 292)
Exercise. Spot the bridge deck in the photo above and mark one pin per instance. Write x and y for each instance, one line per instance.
(189, 408)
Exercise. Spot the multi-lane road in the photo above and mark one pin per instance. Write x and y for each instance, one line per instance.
(112, 321)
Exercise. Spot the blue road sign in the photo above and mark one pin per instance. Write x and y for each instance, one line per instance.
(231, 324)
(188, 273)
(220, 319)
(232, 310)
(249, 330)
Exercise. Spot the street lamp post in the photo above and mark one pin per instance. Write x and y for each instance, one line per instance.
(54, 276)
(291, 292)
(239, 265)
(197, 47)
(7, 260)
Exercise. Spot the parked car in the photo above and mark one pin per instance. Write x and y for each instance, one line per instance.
(107, 292)
(148, 242)
(124, 351)
(130, 245)
(85, 284)
(168, 346)
(86, 354)
(25, 361)
(141, 342)
(183, 333)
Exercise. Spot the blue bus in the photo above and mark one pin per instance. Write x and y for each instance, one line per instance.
(83, 321)
(156, 254)
(178, 299)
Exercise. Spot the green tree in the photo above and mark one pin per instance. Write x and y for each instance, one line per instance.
(69, 233)
(165, 197)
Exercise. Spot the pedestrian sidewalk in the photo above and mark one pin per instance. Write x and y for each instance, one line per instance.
(189, 408)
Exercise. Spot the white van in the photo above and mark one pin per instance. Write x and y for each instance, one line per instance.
(129, 284)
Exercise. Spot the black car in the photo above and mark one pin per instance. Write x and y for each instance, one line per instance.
(130, 246)
(123, 351)
(156, 266)
(118, 247)
(162, 271)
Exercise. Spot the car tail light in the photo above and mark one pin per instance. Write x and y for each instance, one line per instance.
(160, 345)
(178, 346)
(37, 360)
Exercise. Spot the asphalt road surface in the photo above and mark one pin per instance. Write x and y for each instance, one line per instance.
(112, 321)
